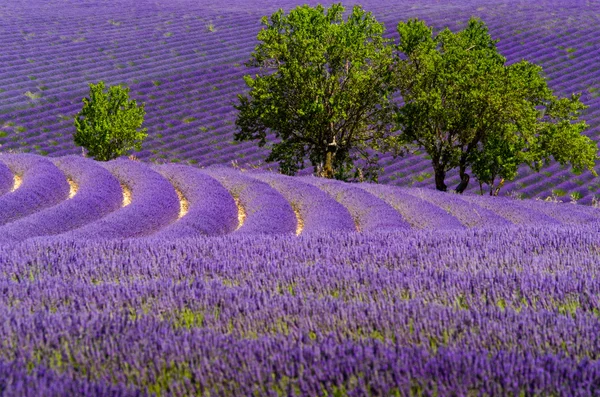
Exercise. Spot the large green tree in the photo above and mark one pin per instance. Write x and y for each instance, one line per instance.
(108, 125)
(323, 91)
(468, 109)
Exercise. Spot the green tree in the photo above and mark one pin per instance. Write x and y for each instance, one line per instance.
(324, 90)
(467, 109)
(108, 125)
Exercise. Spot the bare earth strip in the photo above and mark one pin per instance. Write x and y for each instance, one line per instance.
(183, 204)
(126, 195)
(18, 181)
(72, 188)
(241, 212)
(300, 224)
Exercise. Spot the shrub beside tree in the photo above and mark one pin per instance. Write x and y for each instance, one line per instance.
(109, 124)
(467, 109)
(323, 92)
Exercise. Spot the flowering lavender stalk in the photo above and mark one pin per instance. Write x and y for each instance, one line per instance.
(211, 209)
(43, 185)
(370, 213)
(154, 204)
(264, 209)
(419, 213)
(98, 193)
(317, 211)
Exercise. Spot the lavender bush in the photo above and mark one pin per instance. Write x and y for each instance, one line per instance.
(98, 194)
(211, 211)
(264, 209)
(369, 212)
(43, 185)
(318, 211)
(154, 204)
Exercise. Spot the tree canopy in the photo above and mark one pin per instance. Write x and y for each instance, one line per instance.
(108, 124)
(467, 109)
(323, 90)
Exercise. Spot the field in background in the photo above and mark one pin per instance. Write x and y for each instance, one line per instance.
(185, 58)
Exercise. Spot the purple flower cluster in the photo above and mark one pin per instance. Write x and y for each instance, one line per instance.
(492, 311)
(317, 210)
(98, 194)
(264, 209)
(154, 204)
(43, 185)
(212, 210)
(369, 212)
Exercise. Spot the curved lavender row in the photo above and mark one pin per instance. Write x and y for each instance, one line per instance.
(419, 213)
(154, 204)
(509, 209)
(564, 213)
(43, 185)
(6, 179)
(212, 210)
(318, 211)
(98, 194)
(369, 212)
(469, 214)
(266, 211)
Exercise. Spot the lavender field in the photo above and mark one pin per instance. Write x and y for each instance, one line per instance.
(179, 275)
(131, 278)
(185, 60)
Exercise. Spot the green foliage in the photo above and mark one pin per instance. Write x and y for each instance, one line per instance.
(108, 125)
(324, 90)
(468, 109)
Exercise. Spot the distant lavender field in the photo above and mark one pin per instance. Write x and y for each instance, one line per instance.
(150, 278)
(185, 58)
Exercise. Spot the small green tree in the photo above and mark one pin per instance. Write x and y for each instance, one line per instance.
(108, 125)
(468, 109)
(324, 90)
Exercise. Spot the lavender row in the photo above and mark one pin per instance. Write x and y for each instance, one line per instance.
(98, 194)
(469, 214)
(511, 210)
(317, 210)
(262, 208)
(369, 212)
(418, 212)
(154, 204)
(212, 210)
(42, 185)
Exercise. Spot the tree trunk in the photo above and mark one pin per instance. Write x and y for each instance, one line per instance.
(464, 180)
(499, 187)
(440, 175)
(328, 169)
